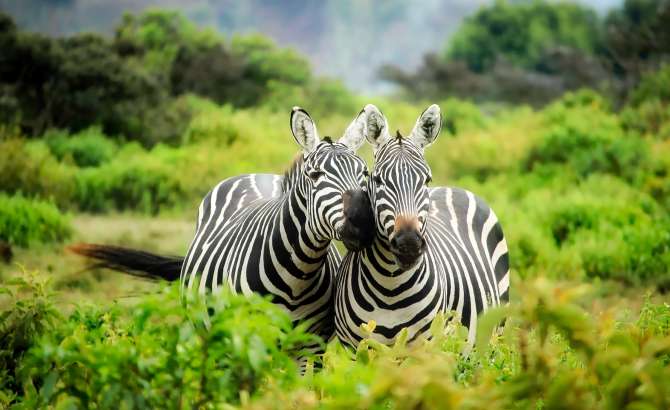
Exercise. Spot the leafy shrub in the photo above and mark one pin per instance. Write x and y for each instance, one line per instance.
(657, 182)
(213, 124)
(141, 184)
(30, 168)
(322, 98)
(588, 139)
(654, 86)
(160, 356)
(635, 254)
(552, 353)
(28, 315)
(648, 108)
(650, 117)
(25, 222)
(163, 123)
(87, 148)
(458, 116)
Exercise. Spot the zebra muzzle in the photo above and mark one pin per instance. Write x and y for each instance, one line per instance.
(407, 245)
(358, 229)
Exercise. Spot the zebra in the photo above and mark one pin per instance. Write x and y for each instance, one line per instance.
(435, 249)
(272, 235)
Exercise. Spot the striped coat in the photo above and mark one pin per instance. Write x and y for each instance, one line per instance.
(436, 249)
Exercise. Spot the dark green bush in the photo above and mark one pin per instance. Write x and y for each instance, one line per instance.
(25, 222)
(522, 32)
(648, 109)
(654, 86)
(88, 148)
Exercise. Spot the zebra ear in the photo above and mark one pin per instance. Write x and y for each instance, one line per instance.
(304, 130)
(427, 127)
(355, 134)
(376, 126)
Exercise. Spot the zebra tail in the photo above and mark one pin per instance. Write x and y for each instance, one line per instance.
(130, 261)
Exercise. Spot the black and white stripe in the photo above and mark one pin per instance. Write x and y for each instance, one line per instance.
(436, 249)
(272, 235)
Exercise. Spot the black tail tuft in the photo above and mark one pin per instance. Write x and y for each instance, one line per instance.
(131, 261)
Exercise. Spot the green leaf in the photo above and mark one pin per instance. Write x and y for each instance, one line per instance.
(487, 322)
(48, 387)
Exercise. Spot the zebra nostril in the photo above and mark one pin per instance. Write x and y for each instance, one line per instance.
(394, 242)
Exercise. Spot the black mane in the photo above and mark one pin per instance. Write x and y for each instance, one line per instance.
(291, 174)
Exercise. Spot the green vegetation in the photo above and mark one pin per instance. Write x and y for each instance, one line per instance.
(532, 52)
(522, 33)
(129, 85)
(25, 222)
(146, 122)
(553, 353)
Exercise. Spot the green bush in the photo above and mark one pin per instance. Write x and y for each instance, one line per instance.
(25, 222)
(214, 124)
(651, 117)
(141, 184)
(31, 169)
(588, 139)
(87, 148)
(158, 354)
(522, 32)
(29, 314)
(459, 116)
(648, 108)
(635, 254)
(551, 354)
(322, 98)
(654, 85)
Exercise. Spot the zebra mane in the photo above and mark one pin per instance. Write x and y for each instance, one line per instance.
(398, 137)
(291, 174)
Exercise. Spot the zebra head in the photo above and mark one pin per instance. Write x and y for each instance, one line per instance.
(333, 180)
(398, 187)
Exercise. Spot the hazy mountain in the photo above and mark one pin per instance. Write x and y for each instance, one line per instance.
(348, 39)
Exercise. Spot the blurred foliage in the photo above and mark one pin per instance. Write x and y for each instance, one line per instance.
(534, 51)
(648, 111)
(130, 85)
(583, 133)
(552, 354)
(521, 33)
(88, 148)
(150, 120)
(26, 222)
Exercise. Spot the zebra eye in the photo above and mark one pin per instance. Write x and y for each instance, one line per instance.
(366, 173)
(314, 175)
(378, 180)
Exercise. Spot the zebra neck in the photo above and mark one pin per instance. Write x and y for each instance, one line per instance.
(293, 241)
